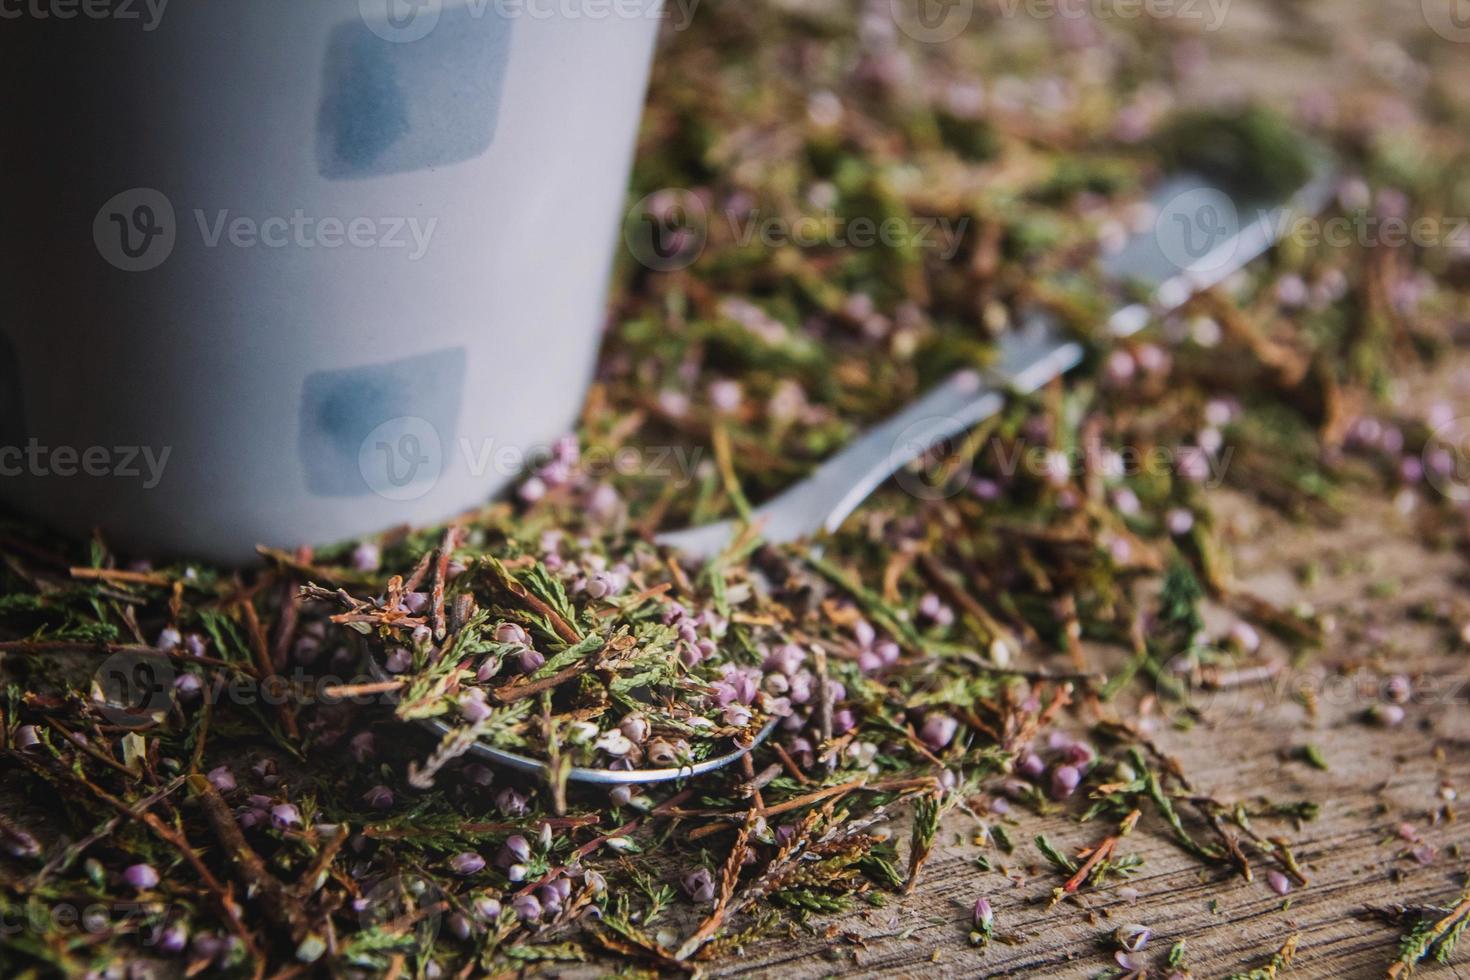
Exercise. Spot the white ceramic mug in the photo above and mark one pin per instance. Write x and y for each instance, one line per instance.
(293, 271)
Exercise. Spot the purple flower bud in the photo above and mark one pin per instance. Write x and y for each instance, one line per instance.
(1399, 688)
(1152, 358)
(530, 660)
(1131, 962)
(195, 646)
(725, 396)
(869, 662)
(985, 489)
(515, 850)
(1387, 715)
(602, 505)
(467, 863)
(527, 908)
(550, 900)
(511, 633)
(174, 938)
(188, 687)
(398, 660)
(863, 632)
(599, 586)
(169, 639)
(367, 557)
(222, 779)
(140, 877)
(380, 797)
(285, 815)
(487, 907)
(1194, 464)
(736, 715)
(1064, 781)
(1079, 754)
(306, 649)
(932, 609)
(699, 885)
(1411, 469)
(362, 746)
(510, 802)
(459, 925)
(1179, 521)
(1243, 637)
(787, 658)
(984, 914)
(1133, 938)
(636, 728)
(842, 721)
(473, 706)
(1119, 368)
(532, 490)
(938, 731)
(889, 652)
(1279, 883)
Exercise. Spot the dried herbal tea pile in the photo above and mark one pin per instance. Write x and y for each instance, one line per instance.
(578, 656)
(1006, 633)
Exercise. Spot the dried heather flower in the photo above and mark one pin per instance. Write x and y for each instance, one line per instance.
(466, 863)
(141, 877)
(699, 885)
(938, 730)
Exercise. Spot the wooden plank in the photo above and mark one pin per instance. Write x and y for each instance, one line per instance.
(1377, 580)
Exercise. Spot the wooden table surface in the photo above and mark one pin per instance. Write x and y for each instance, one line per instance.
(1376, 582)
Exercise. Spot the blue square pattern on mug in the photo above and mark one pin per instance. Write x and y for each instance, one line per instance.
(393, 105)
(384, 429)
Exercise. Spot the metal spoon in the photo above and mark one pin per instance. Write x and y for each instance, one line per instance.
(1030, 357)
(581, 774)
